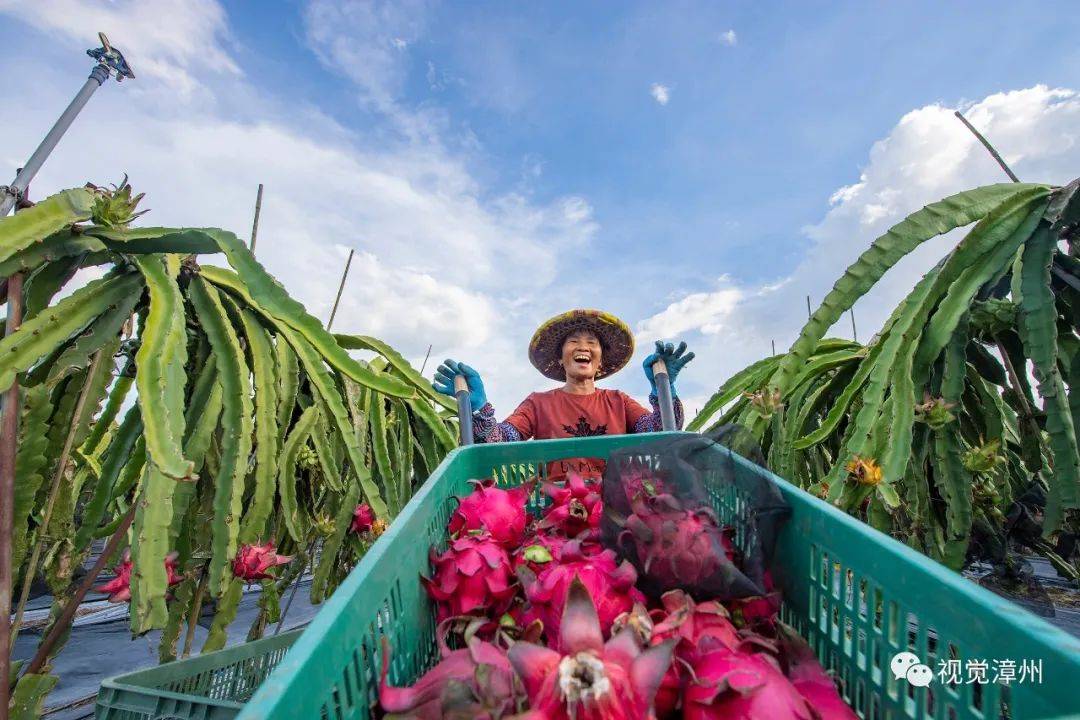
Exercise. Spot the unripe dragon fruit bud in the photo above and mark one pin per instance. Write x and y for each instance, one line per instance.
(252, 561)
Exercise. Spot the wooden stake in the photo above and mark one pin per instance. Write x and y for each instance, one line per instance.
(341, 287)
(9, 435)
(425, 360)
(986, 144)
(255, 225)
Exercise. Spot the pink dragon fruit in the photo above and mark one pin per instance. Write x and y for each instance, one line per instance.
(500, 512)
(119, 588)
(473, 576)
(611, 585)
(639, 480)
(474, 682)
(679, 548)
(543, 547)
(589, 680)
(252, 561)
(738, 685)
(575, 507)
(809, 678)
(759, 612)
(687, 623)
(363, 519)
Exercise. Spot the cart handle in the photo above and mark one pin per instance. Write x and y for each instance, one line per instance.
(663, 394)
(464, 409)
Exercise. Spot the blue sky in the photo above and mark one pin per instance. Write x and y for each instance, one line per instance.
(496, 162)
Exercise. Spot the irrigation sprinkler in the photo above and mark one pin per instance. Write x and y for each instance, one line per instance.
(109, 60)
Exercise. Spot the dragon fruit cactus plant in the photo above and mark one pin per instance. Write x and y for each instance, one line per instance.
(609, 583)
(588, 679)
(253, 561)
(500, 512)
(473, 576)
(575, 507)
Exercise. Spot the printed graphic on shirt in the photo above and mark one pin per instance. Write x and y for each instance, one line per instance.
(584, 429)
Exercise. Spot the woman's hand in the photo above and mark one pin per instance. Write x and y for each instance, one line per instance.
(444, 382)
(673, 359)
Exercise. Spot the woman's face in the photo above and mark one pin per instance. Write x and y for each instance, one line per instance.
(581, 355)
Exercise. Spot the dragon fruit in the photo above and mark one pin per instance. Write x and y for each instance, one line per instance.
(575, 507)
(611, 584)
(119, 588)
(474, 682)
(739, 685)
(252, 561)
(499, 512)
(362, 520)
(474, 575)
(686, 623)
(809, 678)
(759, 611)
(681, 548)
(639, 480)
(589, 680)
(543, 547)
(689, 622)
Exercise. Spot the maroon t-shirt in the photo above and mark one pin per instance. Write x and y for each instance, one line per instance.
(558, 414)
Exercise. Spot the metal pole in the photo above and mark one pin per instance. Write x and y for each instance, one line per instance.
(341, 286)
(663, 395)
(854, 332)
(986, 144)
(255, 225)
(809, 314)
(9, 432)
(12, 192)
(464, 409)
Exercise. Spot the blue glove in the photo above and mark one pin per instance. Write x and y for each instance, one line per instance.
(673, 358)
(444, 382)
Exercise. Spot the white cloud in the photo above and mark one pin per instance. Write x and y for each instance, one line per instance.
(660, 93)
(164, 40)
(366, 42)
(729, 38)
(925, 157)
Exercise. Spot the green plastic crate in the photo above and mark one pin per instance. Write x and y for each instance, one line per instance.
(857, 595)
(206, 687)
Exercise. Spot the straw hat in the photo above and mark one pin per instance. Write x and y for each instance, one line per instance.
(616, 341)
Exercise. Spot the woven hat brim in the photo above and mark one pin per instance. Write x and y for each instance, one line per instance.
(545, 348)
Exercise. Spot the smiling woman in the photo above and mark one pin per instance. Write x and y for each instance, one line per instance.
(578, 347)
